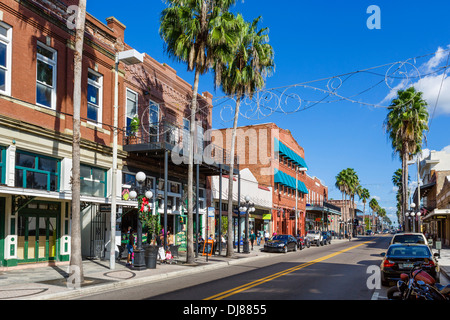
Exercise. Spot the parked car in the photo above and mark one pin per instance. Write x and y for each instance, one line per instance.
(281, 243)
(417, 238)
(326, 235)
(315, 237)
(400, 258)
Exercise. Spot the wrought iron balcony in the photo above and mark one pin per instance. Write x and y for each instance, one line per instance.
(166, 135)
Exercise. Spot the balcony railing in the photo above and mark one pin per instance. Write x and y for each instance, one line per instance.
(167, 135)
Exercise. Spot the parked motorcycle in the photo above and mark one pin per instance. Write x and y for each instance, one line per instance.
(418, 285)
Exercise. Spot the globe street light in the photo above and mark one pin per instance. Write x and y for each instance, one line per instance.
(247, 208)
(139, 259)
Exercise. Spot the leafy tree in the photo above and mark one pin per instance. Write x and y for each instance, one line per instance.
(240, 74)
(195, 32)
(405, 125)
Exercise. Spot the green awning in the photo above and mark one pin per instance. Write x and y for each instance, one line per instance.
(289, 153)
(282, 178)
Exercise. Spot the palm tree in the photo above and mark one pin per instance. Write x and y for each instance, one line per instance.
(193, 31)
(397, 181)
(352, 183)
(76, 261)
(363, 195)
(251, 61)
(405, 125)
(341, 184)
(373, 204)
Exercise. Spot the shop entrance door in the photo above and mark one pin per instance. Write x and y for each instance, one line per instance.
(37, 234)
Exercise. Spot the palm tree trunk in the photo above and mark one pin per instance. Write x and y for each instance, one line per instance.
(190, 223)
(230, 249)
(76, 261)
(404, 188)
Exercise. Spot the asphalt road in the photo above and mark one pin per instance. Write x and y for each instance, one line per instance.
(340, 271)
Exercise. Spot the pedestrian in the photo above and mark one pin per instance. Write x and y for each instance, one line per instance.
(266, 236)
(130, 246)
(258, 238)
(252, 238)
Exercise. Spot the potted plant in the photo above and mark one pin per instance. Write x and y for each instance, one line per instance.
(151, 223)
(133, 130)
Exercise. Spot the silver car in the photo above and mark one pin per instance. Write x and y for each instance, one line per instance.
(409, 238)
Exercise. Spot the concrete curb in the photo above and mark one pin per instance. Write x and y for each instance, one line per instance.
(123, 284)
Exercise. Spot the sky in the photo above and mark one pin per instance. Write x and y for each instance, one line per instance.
(315, 40)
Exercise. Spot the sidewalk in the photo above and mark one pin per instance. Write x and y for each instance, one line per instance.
(49, 283)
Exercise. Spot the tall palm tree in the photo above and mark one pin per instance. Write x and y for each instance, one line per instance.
(193, 31)
(75, 256)
(243, 74)
(373, 204)
(405, 125)
(363, 195)
(341, 184)
(397, 181)
(353, 183)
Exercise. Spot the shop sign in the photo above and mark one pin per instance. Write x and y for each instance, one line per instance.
(267, 216)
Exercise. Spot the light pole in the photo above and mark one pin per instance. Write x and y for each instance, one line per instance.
(139, 260)
(247, 207)
(296, 195)
(413, 215)
(129, 57)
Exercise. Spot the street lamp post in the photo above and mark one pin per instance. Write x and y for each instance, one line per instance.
(413, 215)
(297, 169)
(247, 207)
(129, 57)
(139, 259)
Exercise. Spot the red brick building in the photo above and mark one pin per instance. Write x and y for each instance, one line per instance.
(276, 160)
(36, 107)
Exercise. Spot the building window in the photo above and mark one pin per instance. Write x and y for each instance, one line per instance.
(93, 181)
(5, 58)
(94, 96)
(36, 172)
(2, 164)
(46, 77)
(132, 107)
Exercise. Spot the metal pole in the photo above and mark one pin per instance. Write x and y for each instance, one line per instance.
(166, 168)
(220, 210)
(196, 208)
(239, 211)
(296, 200)
(112, 251)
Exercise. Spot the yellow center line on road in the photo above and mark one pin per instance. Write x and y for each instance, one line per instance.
(258, 282)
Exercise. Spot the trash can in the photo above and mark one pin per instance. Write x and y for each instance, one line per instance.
(150, 256)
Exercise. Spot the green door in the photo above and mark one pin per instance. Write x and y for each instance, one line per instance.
(37, 237)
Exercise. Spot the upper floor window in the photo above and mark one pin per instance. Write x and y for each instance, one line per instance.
(2, 164)
(46, 76)
(132, 108)
(36, 172)
(93, 181)
(94, 96)
(5, 58)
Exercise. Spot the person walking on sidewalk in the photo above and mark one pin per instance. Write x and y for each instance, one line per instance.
(252, 238)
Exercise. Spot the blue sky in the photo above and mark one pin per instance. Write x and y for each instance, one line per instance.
(320, 39)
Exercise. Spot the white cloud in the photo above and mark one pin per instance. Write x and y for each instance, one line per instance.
(436, 60)
(433, 86)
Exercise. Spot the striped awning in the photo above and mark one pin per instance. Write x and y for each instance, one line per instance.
(289, 153)
(284, 179)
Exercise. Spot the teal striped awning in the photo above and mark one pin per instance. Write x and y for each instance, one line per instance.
(282, 149)
(289, 181)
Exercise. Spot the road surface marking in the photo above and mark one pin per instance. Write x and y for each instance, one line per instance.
(258, 282)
